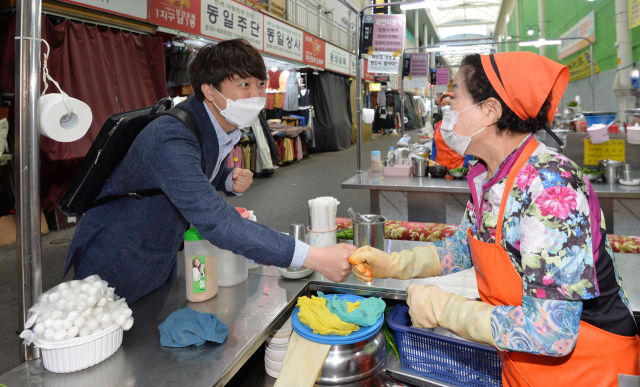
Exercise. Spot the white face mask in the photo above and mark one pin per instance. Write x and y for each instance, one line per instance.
(242, 112)
(445, 107)
(455, 141)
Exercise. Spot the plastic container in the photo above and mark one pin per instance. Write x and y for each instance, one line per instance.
(600, 119)
(81, 352)
(232, 269)
(391, 156)
(200, 267)
(375, 161)
(447, 359)
(633, 134)
(598, 134)
(397, 170)
(322, 238)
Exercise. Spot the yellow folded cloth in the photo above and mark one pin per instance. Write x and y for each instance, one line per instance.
(315, 314)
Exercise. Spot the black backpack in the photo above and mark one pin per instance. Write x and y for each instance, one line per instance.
(108, 150)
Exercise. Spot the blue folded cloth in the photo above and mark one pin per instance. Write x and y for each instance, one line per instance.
(366, 315)
(187, 327)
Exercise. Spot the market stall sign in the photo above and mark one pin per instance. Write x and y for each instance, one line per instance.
(634, 13)
(383, 33)
(442, 76)
(336, 59)
(352, 66)
(314, 49)
(581, 67)
(419, 65)
(417, 82)
(226, 19)
(612, 149)
(383, 63)
(281, 39)
(364, 68)
(180, 15)
(393, 82)
(375, 87)
(585, 28)
(136, 9)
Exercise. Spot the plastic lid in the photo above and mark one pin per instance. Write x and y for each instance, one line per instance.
(192, 235)
(375, 152)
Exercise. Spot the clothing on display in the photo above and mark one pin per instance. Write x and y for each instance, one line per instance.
(263, 154)
(234, 160)
(292, 92)
(274, 79)
(381, 98)
(271, 99)
(277, 103)
(304, 99)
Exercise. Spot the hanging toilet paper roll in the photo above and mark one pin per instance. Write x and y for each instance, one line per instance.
(367, 115)
(55, 122)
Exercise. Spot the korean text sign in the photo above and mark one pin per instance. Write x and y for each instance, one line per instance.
(226, 19)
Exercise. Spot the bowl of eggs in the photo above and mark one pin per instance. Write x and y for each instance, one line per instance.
(77, 324)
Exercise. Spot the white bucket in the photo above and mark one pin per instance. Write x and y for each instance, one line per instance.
(598, 133)
(633, 134)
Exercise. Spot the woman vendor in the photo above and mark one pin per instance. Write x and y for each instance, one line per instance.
(440, 151)
(552, 300)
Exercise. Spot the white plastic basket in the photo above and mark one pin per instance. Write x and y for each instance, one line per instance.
(81, 352)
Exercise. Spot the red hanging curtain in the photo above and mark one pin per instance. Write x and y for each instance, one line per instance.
(110, 70)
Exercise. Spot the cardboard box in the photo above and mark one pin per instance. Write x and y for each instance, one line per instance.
(8, 229)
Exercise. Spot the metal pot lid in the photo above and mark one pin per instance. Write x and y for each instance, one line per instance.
(364, 333)
(599, 113)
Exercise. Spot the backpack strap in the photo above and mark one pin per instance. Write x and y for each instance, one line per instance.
(190, 122)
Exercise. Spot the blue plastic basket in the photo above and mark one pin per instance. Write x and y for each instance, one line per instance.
(605, 119)
(447, 359)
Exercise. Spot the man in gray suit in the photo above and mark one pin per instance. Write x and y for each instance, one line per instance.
(133, 244)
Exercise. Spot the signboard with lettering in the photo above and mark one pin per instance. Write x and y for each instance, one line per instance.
(442, 76)
(383, 63)
(393, 82)
(383, 33)
(336, 59)
(352, 68)
(226, 19)
(182, 16)
(417, 82)
(419, 66)
(366, 75)
(585, 28)
(313, 50)
(282, 39)
(136, 9)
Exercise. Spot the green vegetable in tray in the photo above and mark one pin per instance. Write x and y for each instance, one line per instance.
(591, 171)
(345, 234)
(462, 170)
(572, 104)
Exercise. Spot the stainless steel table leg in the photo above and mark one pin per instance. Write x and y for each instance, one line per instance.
(374, 202)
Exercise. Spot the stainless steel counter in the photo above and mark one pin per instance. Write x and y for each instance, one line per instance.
(251, 310)
(433, 200)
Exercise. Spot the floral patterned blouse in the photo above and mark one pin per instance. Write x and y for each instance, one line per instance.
(548, 236)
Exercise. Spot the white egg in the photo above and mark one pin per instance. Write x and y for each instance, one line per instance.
(81, 305)
(75, 283)
(39, 328)
(60, 335)
(85, 288)
(48, 323)
(93, 291)
(39, 319)
(56, 314)
(87, 312)
(83, 295)
(98, 311)
(128, 324)
(72, 296)
(103, 301)
(64, 293)
(69, 306)
(127, 312)
(121, 320)
(105, 319)
(92, 300)
(91, 279)
(63, 286)
(79, 322)
(72, 316)
(46, 315)
(97, 284)
(84, 332)
(61, 303)
(92, 324)
(57, 324)
(54, 297)
(67, 324)
(72, 332)
(48, 334)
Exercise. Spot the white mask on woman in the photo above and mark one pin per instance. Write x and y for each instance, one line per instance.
(455, 141)
(242, 112)
(445, 107)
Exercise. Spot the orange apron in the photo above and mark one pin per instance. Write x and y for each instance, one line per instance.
(445, 155)
(598, 356)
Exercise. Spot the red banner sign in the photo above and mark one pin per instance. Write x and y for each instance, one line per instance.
(182, 15)
(314, 48)
(367, 76)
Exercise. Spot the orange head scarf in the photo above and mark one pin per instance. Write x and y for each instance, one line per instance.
(524, 80)
(450, 94)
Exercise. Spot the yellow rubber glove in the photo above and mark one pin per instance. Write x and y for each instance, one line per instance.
(368, 263)
(430, 307)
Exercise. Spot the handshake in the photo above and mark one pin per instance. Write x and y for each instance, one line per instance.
(368, 263)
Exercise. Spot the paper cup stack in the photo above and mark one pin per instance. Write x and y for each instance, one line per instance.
(276, 347)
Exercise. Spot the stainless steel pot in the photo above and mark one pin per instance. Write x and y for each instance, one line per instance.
(369, 234)
(351, 364)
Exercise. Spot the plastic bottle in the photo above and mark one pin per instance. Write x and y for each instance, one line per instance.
(200, 267)
(391, 156)
(579, 106)
(375, 161)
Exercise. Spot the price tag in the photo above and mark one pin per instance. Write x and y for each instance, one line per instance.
(612, 149)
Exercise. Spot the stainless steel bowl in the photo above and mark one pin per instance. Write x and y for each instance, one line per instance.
(593, 178)
(352, 363)
(458, 175)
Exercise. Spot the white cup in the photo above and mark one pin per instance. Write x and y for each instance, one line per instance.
(322, 238)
